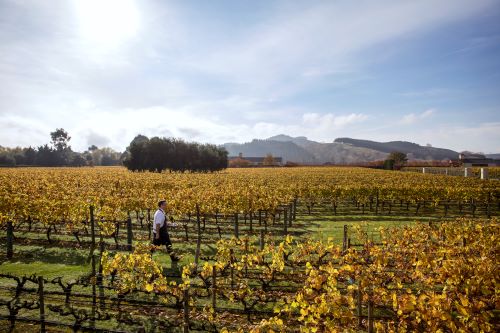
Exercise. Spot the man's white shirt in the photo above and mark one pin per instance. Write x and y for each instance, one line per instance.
(159, 219)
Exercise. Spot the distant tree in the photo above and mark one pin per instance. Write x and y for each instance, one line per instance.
(212, 158)
(60, 139)
(222, 158)
(19, 158)
(7, 160)
(89, 159)
(109, 157)
(398, 157)
(77, 160)
(268, 160)
(158, 154)
(395, 160)
(46, 156)
(103, 156)
(18, 155)
(137, 150)
(13, 156)
(389, 164)
(124, 156)
(29, 156)
(59, 153)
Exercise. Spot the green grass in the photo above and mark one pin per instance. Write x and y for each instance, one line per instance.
(40, 260)
(47, 270)
(332, 227)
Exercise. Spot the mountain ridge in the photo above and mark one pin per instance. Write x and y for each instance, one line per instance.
(341, 151)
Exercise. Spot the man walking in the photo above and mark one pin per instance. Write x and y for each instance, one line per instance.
(160, 233)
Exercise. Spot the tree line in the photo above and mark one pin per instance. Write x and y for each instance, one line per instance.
(158, 154)
(58, 153)
(155, 154)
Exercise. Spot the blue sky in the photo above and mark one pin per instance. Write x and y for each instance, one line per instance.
(230, 71)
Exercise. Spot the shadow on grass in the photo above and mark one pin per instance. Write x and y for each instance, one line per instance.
(30, 254)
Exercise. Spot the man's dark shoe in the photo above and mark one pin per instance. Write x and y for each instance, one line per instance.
(175, 257)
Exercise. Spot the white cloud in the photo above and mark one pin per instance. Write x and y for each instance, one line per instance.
(332, 121)
(173, 76)
(102, 128)
(23, 131)
(412, 118)
(427, 113)
(483, 137)
(117, 131)
(430, 93)
(97, 139)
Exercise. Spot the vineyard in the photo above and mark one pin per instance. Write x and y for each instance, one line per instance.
(283, 249)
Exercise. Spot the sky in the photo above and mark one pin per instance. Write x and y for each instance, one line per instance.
(230, 71)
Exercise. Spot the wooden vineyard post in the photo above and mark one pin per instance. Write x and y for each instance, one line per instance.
(236, 229)
(285, 223)
(138, 218)
(246, 254)
(251, 221)
(344, 239)
(370, 316)
(10, 240)
(198, 241)
(488, 206)
(186, 232)
(94, 294)
(99, 276)
(261, 240)
(129, 233)
(92, 229)
(150, 225)
(117, 231)
(294, 209)
(290, 215)
(214, 287)
(473, 208)
(41, 303)
(186, 311)
(359, 298)
(231, 255)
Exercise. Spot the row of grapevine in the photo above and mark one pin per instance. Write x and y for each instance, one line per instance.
(65, 195)
(437, 277)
